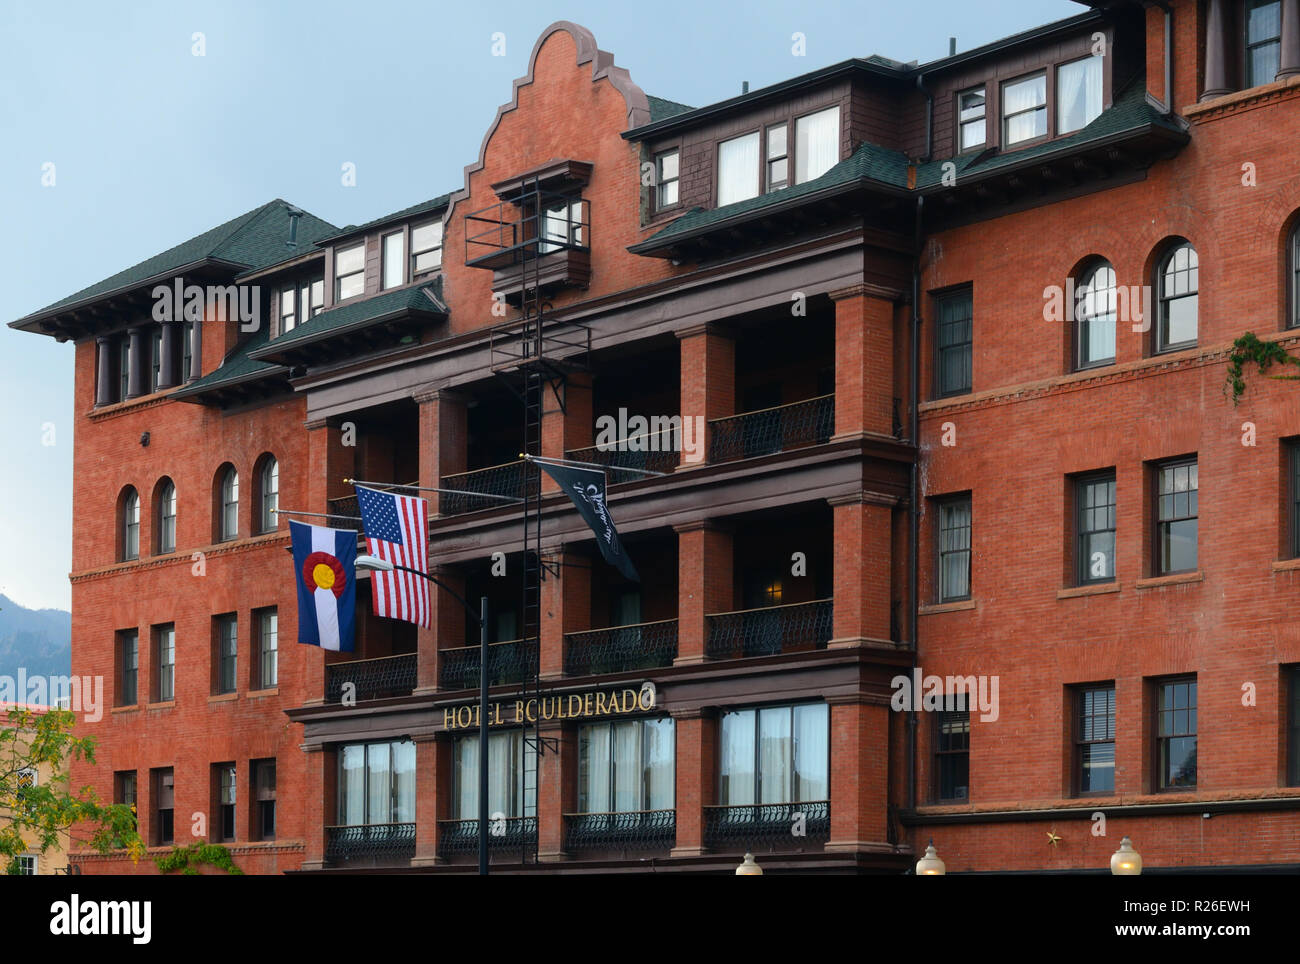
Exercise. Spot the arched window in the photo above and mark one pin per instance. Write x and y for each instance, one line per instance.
(228, 505)
(166, 504)
(1094, 316)
(130, 525)
(1293, 275)
(269, 482)
(1177, 281)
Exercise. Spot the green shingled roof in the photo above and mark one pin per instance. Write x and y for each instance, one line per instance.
(356, 314)
(1131, 111)
(237, 367)
(415, 210)
(661, 109)
(252, 240)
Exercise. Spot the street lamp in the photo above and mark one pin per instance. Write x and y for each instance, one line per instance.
(1126, 862)
(930, 865)
(383, 565)
(749, 868)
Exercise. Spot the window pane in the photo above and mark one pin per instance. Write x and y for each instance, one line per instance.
(954, 550)
(466, 800)
(348, 260)
(954, 339)
(594, 769)
(738, 169)
(775, 755)
(776, 142)
(737, 767)
(1024, 108)
(1096, 311)
(1078, 94)
(817, 144)
(404, 782)
(668, 165)
(394, 259)
(972, 134)
(352, 785)
(379, 798)
(660, 773)
(627, 766)
(811, 752)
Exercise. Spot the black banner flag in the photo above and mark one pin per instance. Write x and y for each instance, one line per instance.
(586, 489)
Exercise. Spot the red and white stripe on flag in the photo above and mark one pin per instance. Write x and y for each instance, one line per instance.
(397, 594)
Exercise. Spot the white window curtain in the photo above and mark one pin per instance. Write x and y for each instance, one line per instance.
(737, 788)
(811, 752)
(817, 144)
(738, 169)
(394, 259)
(775, 755)
(627, 766)
(467, 778)
(1078, 94)
(352, 793)
(404, 782)
(1026, 99)
(502, 764)
(593, 764)
(659, 770)
(380, 797)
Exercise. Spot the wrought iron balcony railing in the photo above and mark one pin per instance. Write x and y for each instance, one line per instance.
(489, 488)
(653, 452)
(371, 679)
(634, 831)
(510, 662)
(345, 513)
(768, 826)
(380, 843)
(460, 837)
(620, 649)
(799, 424)
(765, 632)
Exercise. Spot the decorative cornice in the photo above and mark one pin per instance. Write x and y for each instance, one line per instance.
(183, 558)
(868, 290)
(1241, 100)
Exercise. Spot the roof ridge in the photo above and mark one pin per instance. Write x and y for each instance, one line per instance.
(252, 218)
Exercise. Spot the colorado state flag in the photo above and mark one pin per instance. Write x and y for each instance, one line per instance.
(325, 568)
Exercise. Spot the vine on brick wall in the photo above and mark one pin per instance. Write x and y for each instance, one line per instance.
(189, 859)
(1265, 354)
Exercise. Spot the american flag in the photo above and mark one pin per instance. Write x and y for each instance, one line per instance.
(397, 528)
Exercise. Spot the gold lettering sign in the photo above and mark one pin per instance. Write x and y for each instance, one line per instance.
(568, 706)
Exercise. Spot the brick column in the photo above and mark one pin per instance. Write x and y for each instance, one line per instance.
(704, 584)
(329, 462)
(1289, 65)
(864, 360)
(432, 771)
(566, 608)
(708, 376)
(863, 537)
(169, 364)
(557, 791)
(568, 428)
(104, 370)
(448, 618)
(859, 756)
(697, 735)
(318, 796)
(1217, 38)
(444, 438)
(1132, 743)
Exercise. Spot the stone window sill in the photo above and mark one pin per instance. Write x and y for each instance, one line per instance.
(1093, 589)
(1177, 579)
(223, 697)
(951, 607)
(1286, 565)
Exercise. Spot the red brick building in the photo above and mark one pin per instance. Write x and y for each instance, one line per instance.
(918, 453)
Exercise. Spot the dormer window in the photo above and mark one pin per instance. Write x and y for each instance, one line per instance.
(426, 248)
(394, 259)
(667, 170)
(1078, 94)
(288, 317)
(1024, 109)
(349, 271)
(817, 144)
(300, 302)
(778, 158)
(738, 169)
(970, 113)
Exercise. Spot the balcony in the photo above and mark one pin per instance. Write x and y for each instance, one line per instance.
(535, 239)
(632, 832)
(650, 453)
(371, 679)
(376, 844)
(768, 826)
(344, 513)
(510, 662)
(797, 627)
(459, 838)
(480, 489)
(620, 649)
(779, 429)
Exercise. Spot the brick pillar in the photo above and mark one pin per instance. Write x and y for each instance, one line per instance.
(568, 428)
(697, 767)
(104, 384)
(329, 462)
(1217, 34)
(708, 376)
(320, 774)
(863, 537)
(448, 618)
(864, 361)
(1132, 743)
(566, 608)
(859, 756)
(432, 773)
(444, 438)
(557, 791)
(704, 584)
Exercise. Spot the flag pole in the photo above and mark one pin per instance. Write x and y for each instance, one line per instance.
(586, 465)
(430, 488)
(324, 515)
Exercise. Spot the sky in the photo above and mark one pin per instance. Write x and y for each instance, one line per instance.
(152, 143)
